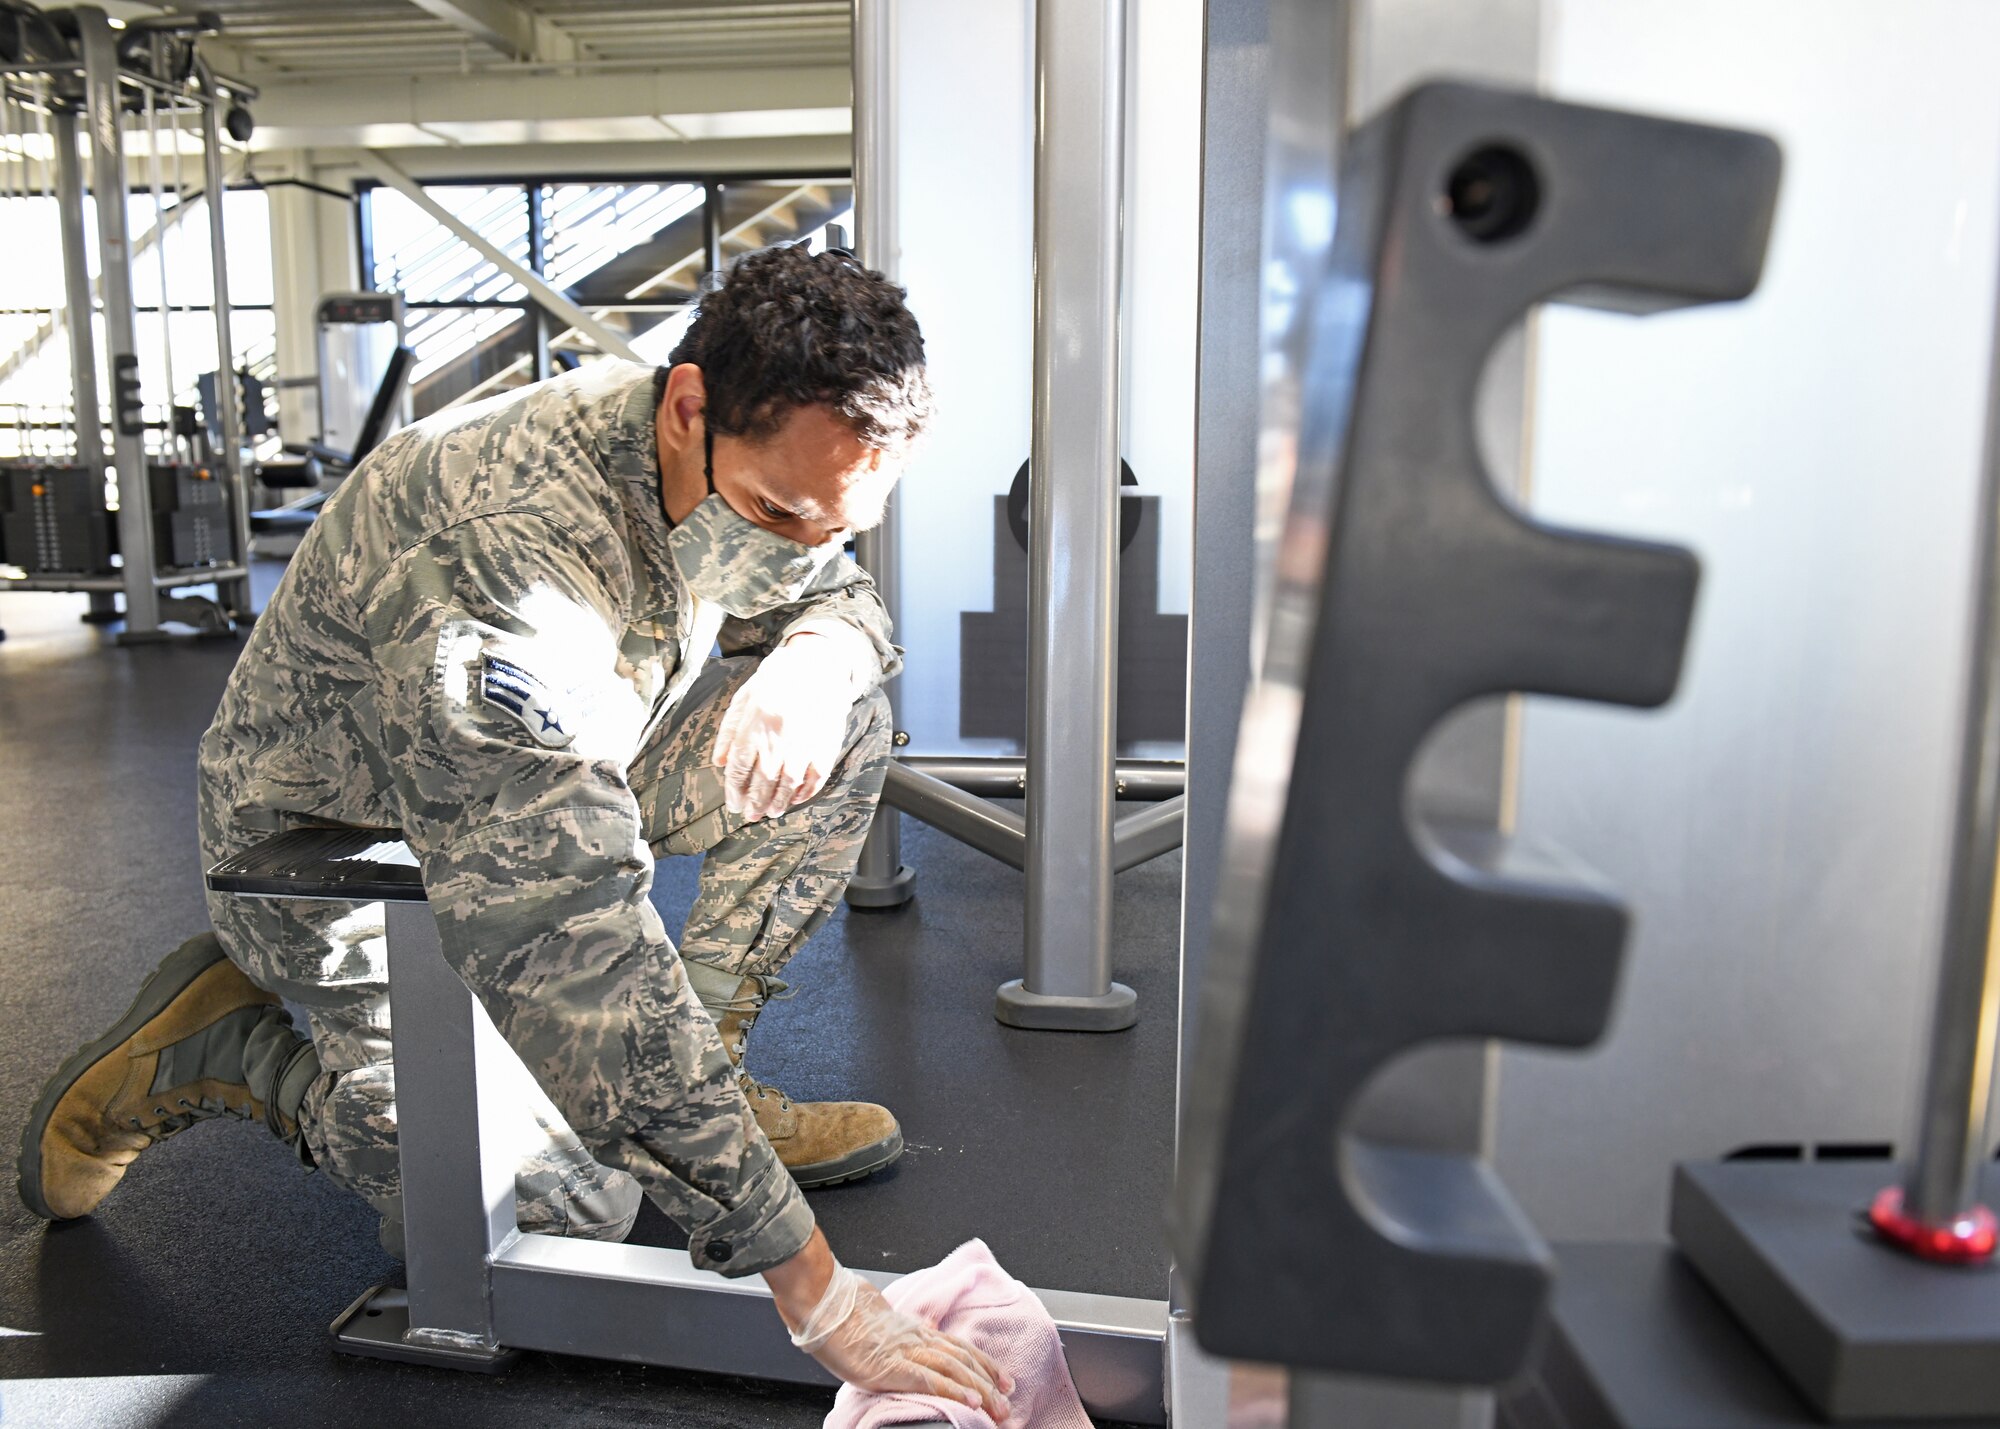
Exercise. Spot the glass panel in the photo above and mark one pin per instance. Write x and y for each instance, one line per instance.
(753, 215)
(192, 351)
(246, 217)
(32, 276)
(459, 348)
(254, 331)
(427, 263)
(610, 245)
(965, 229)
(35, 391)
(657, 334)
(246, 231)
(963, 576)
(35, 384)
(605, 242)
(1779, 830)
(772, 211)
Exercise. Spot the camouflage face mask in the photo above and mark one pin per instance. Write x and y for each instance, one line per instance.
(740, 566)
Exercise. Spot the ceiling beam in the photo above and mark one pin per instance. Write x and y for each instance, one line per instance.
(231, 59)
(637, 160)
(429, 99)
(507, 26)
(477, 109)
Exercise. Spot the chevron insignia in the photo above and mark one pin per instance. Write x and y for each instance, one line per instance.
(549, 717)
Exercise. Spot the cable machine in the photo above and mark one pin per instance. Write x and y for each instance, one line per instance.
(138, 499)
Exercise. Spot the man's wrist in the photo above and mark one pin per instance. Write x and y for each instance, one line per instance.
(822, 648)
(797, 1284)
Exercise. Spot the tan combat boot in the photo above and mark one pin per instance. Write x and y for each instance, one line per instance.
(174, 1058)
(820, 1143)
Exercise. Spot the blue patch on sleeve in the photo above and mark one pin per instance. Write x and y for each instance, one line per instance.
(546, 713)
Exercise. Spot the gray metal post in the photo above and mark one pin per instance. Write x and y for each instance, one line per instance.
(538, 259)
(978, 823)
(1236, 99)
(711, 227)
(234, 594)
(881, 880)
(458, 1198)
(1958, 1086)
(76, 294)
(87, 428)
(128, 445)
(1073, 575)
(1228, 364)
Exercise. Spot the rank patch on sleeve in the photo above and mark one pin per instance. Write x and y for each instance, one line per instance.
(549, 715)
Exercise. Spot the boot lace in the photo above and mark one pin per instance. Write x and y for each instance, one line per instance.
(769, 989)
(172, 1122)
(754, 1088)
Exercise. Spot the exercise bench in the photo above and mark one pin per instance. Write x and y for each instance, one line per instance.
(479, 1290)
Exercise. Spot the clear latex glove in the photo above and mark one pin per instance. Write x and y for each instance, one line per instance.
(858, 1335)
(784, 730)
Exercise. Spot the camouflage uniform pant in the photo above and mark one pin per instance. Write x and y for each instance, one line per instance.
(765, 888)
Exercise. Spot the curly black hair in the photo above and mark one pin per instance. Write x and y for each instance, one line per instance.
(789, 328)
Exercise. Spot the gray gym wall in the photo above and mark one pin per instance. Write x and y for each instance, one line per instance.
(1779, 829)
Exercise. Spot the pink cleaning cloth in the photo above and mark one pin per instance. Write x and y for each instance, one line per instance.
(968, 1295)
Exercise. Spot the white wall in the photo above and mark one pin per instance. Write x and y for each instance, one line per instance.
(966, 228)
(1162, 269)
(965, 151)
(1781, 828)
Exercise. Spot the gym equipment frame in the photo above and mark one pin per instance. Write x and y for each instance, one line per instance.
(479, 1289)
(97, 80)
(1071, 840)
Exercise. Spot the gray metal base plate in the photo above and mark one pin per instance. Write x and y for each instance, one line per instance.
(891, 892)
(1863, 1329)
(1638, 1342)
(1115, 1011)
(373, 1326)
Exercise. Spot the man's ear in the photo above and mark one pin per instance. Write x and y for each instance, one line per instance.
(681, 409)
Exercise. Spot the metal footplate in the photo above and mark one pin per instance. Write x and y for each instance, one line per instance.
(1345, 937)
(377, 1326)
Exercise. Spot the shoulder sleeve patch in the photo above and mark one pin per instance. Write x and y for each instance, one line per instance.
(552, 716)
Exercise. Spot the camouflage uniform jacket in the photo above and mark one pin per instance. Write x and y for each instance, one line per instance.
(523, 540)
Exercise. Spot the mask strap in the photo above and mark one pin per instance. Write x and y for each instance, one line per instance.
(708, 456)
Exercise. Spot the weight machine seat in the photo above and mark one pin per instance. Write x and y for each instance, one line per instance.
(317, 459)
(351, 865)
(292, 518)
(288, 473)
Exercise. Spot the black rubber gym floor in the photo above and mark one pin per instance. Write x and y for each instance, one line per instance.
(201, 1291)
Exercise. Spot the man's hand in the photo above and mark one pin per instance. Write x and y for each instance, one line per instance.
(850, 1327)
(784, 730)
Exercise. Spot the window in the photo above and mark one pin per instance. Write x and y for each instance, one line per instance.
(170, 246)
(630, 252)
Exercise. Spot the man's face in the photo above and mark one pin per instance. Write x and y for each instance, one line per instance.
(812, 482)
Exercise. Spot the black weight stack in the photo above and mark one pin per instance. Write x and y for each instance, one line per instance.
(191, 525)
(52, 520)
